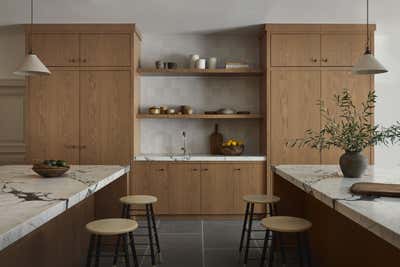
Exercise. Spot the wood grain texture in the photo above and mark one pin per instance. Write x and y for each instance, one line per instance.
(105, 50)
(217, 188)
(198, 116)
(333, 82)
(53, 117)
(295, 50)
(294, 95)
(184, 188)
(56, 49)
(105, 117)
(152, 179)
(341, 49)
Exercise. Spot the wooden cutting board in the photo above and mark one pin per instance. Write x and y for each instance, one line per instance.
(216, 140)
(376, 189)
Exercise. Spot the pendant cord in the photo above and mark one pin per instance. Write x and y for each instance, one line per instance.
(30, 45)
(368, 37)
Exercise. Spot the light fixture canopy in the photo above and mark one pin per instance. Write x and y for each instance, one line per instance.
(367, 64)
(32, 66)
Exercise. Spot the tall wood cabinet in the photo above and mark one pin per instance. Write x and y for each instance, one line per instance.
(83, 112)
(305, 64)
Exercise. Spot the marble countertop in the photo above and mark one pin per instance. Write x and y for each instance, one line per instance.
(379, 215)
(28, 201)
(196, 157)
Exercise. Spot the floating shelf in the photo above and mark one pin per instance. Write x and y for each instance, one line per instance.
(199, 116)
(198, 72)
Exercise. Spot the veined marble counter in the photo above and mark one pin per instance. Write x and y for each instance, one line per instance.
(28, 201)
(379, 215)
(196, 157)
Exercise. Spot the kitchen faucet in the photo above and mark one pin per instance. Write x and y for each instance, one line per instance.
(184, 148)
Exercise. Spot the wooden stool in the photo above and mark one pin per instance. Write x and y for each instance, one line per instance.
(123, 228)
(147, 201)
(251, 200)
(277, 225)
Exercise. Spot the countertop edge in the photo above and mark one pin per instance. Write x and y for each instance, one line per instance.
(199, 158)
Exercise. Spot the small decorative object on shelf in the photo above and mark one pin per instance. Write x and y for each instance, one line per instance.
(186, 109)
(350, 129)
(193, 60)
(154, 110)
(236, 65)
(159, 64)
(212, 63)
(232, 147)
(201, 64)
(226, 111)
(172, 65)
(51, 168)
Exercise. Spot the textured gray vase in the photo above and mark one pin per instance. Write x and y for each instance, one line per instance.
(353, 164)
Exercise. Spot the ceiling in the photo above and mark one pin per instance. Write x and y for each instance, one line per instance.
(186, 16)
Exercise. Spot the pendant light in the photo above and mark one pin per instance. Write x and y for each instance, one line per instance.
(32, 66)
(367, 63)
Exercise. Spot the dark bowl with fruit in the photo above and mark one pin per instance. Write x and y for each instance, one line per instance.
(51, 168)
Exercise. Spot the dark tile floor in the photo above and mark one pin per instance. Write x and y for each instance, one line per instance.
(201, 243)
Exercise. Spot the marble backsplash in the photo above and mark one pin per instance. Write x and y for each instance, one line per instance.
(201, 93)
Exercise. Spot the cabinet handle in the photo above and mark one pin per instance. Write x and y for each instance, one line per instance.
(160, 170)
(70, 146)
(314, 60)
(82, 147)
(195, 170)
(325, 60)
(238, 169)
(205, 169)
(72, 60)
(84, 60)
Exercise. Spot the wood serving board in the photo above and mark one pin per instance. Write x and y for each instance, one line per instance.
(376, 189)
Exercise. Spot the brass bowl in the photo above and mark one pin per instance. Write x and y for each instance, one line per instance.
(154, 110)
(232, 150)
(50, 171)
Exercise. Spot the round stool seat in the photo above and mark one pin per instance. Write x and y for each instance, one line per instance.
(261, 199)
(113, 226)
(138, 199)
(286, 224)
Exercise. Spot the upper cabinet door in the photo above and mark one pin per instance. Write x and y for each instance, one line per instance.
(105, 50)
(341, 50)
(295, 50)
(53, 117)
(57, 50)
(105, 117)
(294, 97)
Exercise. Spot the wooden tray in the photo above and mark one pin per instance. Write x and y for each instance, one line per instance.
(376, 189)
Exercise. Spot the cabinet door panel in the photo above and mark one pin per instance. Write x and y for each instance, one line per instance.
(333, 82)
(184, 188)
(105, 50)
(341, 49)
(57, 49)
(217, 188)
(294, 96)
(295, 50)
(53, 117)
(105, 117)
(151, 179)
(249, 179)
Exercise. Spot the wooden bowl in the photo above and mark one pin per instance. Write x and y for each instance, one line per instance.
(232, 150)
(47, 171)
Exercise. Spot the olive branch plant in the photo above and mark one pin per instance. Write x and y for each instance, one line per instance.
(348, 127)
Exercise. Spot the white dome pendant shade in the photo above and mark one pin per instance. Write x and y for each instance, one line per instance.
(368, 64)
(32, 66)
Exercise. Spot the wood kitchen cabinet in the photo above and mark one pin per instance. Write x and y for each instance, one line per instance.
(105, 117)
(294, 95)
(340, 50)
(151, 179)
(53, 117)
(56, 50)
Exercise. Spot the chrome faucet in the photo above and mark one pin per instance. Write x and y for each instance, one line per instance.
(184, 148)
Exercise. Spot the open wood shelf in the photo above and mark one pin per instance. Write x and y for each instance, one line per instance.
(199, 116)
(199, 72)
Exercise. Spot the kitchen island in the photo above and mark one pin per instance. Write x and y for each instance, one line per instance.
(348, 230)
(42, 219)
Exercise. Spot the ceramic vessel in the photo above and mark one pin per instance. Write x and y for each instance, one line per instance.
(212, 63)
(193, 60)
(201, 64)
(353, 164)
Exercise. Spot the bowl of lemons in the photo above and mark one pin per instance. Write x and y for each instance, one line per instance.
(232, 147)
(51, 168)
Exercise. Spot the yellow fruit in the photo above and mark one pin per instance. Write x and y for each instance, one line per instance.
(234, 143)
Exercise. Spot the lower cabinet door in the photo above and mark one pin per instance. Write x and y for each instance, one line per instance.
(249, 178)
(184, 188)
(217, 188)
(151, 179)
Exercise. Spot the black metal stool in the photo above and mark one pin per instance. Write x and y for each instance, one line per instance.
(147, 201)
(123, 228)
(249, 216)
(277, 225)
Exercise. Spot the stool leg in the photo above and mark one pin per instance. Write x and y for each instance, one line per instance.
(90, 251)
(281, 248)
(116, 251)
(133, 249)
(300, 250)
(155, 228)
(98, 245)
(271, 250)
(264, 248)
(126, 249)
(307, 249)
(153, 258)
(246, 254)
(246, 214)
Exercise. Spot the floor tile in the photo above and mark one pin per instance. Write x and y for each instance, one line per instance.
(168, 226)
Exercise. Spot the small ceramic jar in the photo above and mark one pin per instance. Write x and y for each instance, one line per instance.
(212, 63)
(201, 64)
